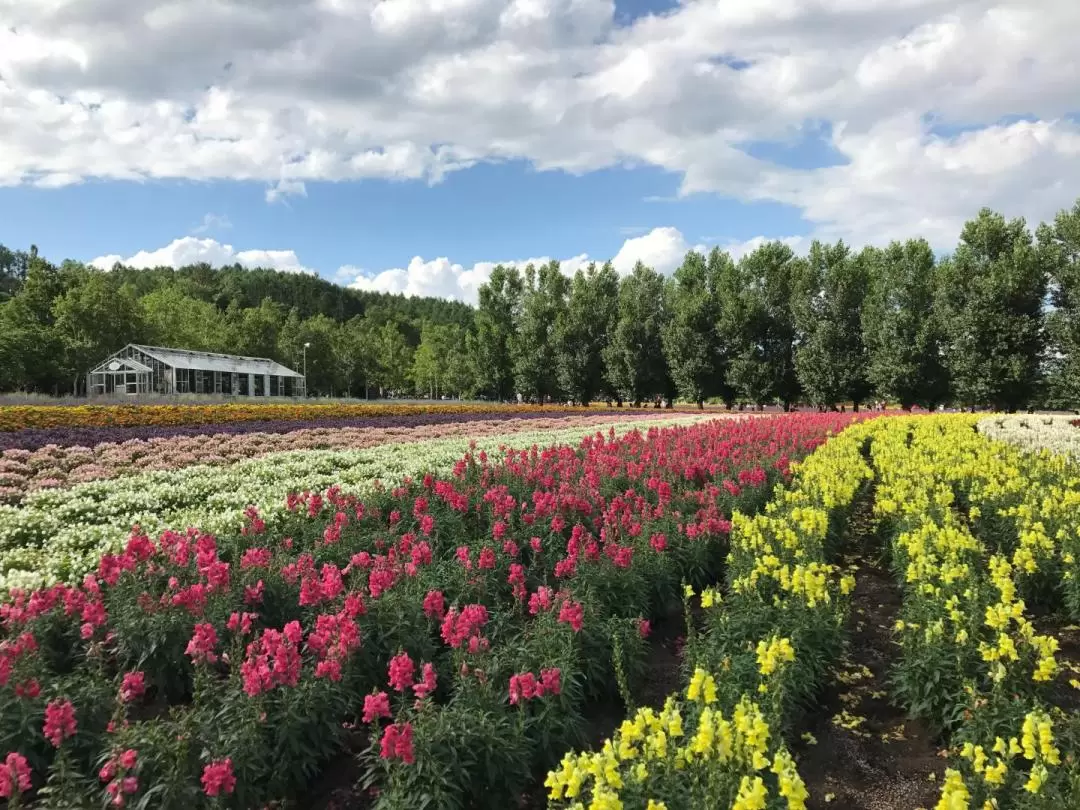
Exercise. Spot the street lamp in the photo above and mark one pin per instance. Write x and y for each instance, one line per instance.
(306, 345)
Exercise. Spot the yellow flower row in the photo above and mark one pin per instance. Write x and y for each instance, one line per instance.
(715, 757)
(976, 522)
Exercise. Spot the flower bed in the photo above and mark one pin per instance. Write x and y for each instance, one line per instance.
(1054, 433)
(52, 466)
(89, 437)
(760, 653)
(18, 417)
(462, 623)
(979, 532)
(59, 533)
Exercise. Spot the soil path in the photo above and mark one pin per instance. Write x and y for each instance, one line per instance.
(868, 755)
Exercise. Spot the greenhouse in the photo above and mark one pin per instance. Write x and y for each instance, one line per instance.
(138, 369)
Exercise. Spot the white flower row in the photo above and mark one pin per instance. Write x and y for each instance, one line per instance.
(1035, 432)
(60, 533)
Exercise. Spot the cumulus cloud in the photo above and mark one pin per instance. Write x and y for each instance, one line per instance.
(661, 248)
(190, 250)
(919, 93)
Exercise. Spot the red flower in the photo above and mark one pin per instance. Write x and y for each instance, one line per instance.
(401, 671)
(434, 604)
(427, 683)
(14, 776)
(217, 777)
(59, 721)
(397, 743)
(573, 614)
(202, 644)
(133, 686)
(376, 706)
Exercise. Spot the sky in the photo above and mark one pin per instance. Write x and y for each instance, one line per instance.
(410, 145)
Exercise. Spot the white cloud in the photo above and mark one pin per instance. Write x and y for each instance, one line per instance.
(442, 278)
(212, 222)
(286, 93)
(284, 189)
(190, 250)
(661, 248)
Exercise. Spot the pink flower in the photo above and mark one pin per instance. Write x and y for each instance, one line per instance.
(644, 627)
(59, 721)
(401, 671)
(128, 759)
(397, 743)
(133, 686)
(376, 706)
(573, 614)
(14, 776)
(434, 604)
(202, 644)
(217, 777)
(427, 683)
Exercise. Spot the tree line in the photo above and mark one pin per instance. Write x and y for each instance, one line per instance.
(994, 324)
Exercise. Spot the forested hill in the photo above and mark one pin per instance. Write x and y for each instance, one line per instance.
(58, 320)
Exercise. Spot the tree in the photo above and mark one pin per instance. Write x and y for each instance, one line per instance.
(496, 320)
(532, 346)
(1061, 243)
(439, 364)
(758, 323)
(990, 298)
(634, 356)
(582, 332)
(93, 320)
(173, 318)
(691, 340)
(254, 331)
(830, 360)
(901, 329)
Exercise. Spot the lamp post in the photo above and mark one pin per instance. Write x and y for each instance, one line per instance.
(305, 368)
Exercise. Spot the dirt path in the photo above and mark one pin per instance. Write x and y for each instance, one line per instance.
(868, 755)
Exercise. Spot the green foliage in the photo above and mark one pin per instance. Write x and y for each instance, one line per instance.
(757, 324)
(831, 359)
(533, 343)
(582, 333)
(900, 327)
(692, 341)
(634, 356)
(489, 346)
(1061, 242)
(990, 301)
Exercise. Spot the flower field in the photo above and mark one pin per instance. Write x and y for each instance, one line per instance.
(591, 613)
(59, 532)
(23, 417)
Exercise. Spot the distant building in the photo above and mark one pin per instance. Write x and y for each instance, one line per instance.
(137, 369)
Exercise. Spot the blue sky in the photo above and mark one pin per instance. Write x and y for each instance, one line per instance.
(415, 143)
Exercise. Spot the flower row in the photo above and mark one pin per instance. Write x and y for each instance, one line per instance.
(452, 629)
(53, 466)
(59, 533)
(31, 439)
(18, 417)
(761, 650)
(1053, 433)
(978, 532)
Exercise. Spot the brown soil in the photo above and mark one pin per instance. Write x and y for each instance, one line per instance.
(883, 760)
